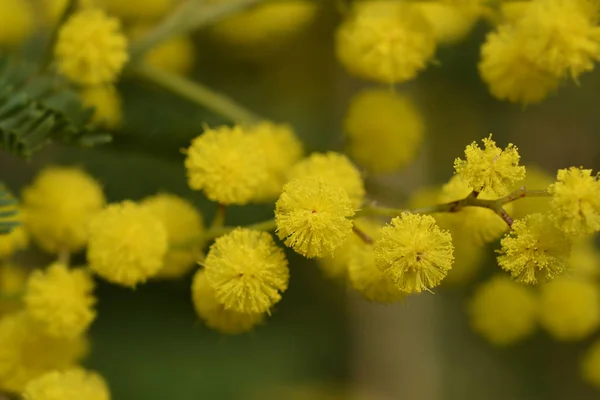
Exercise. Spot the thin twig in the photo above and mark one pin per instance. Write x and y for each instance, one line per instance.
(362, 235)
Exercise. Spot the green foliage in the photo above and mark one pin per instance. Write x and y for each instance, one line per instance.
(39, 108)
(8, 211)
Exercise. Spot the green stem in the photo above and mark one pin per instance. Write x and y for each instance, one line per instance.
(267, 225)
(219, 219)
(195, 92)
(69, 9)
(454, 206)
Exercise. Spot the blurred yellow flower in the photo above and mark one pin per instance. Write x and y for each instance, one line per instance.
(71, 384)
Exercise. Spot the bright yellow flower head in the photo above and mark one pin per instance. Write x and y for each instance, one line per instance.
(106, 103)
(16, 22)
(490, 168)
(575, 203)
(570, 308)
(59, 301)
(214, 314)
(590, 365)
(247, 270)
(385, 41)
(266, 24)
(313, 216)
(91, 50)
(534, 250)
(281, 149)
(138, 9)
(26, 353)
(334, 168)
(184, 226)
(414, 252)
(450, 23)
(58, 206)
(12, 284)
(227, 165)
(509, 71)
(503, 311)
(384, 130)
(127, 244)
(477, 224)
(71, 384)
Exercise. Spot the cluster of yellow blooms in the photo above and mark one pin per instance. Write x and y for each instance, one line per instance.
(321, 208)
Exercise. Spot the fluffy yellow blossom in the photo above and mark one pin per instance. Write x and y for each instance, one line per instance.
(71, 384)
(12, 283)
(385, 41)
(384, 130)
(91, 50)
(59, 301)
(313, 216)
(227, 165)
(509, 71)
(503, 312)
(468, 260)
(590, 365)
(450, 24)
(247, 270)
(513, 11)
(138, 9)
(477, 224)
(266, 24)
(471, 7)
(537, 178)
(282, 150)
(16, 22)
(336, 265)
(106, 103)
(127, 244)
(334, 168)
(561, 36)
(414, 252)
(570, 308)
(214, 314)
(58, 206)
(585, 258)
(363, 273)
(534, 250)
(184, 227)
(575, 201)
(26, 353)
(490, 168)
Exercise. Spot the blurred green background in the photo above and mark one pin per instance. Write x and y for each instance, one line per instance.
(148, 342)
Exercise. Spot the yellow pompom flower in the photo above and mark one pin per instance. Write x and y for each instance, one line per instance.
(365, 276)
(490, 168)
(575, 204)
(313, 216)
(91, 49)
(475, 8)
(127, 244)
(450, 24)
(26, 353)
(12, 284)
(59, 301)
(503, 312)
(184, 227)
(71, 384)
(384, 130)
(106, 103)
(534, 250)
(227, 164)
(334, 168)
(537, 178)
(590, 365)
(266, 24)
(509, 71)
(247, 270)
(281, 149)
(16, 22)
(570, 308)
(58, 206)
(468, 260)
(476, 224)
(385, 41)
(414, 252)
(214, 314)
(138, 9)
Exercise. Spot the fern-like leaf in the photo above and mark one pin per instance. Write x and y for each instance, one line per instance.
(9, 212)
